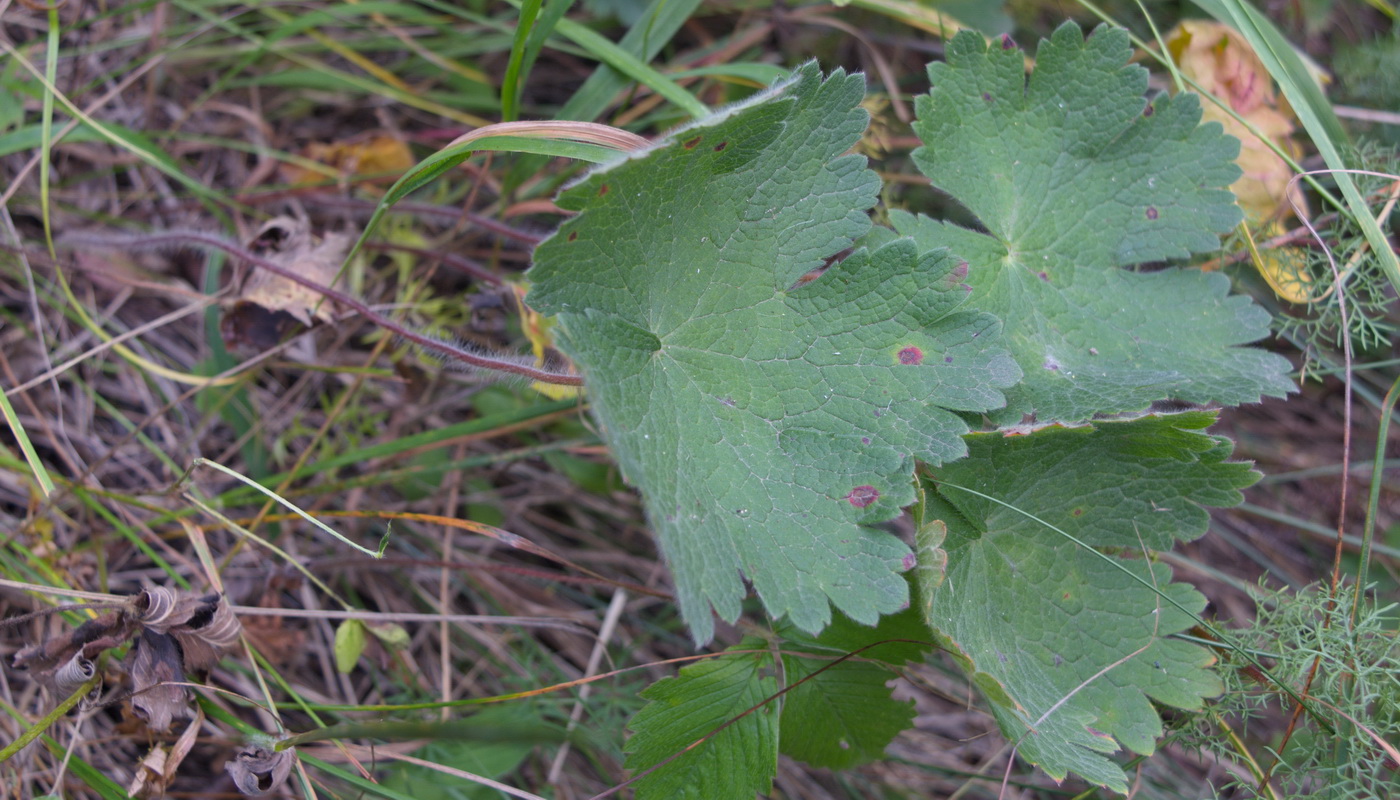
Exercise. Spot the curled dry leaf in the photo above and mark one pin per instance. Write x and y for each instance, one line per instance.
(77, 671)
(175, 633)
(57, 661)
(203, 627)
(257, 770)
(269, 307)
(208, 634)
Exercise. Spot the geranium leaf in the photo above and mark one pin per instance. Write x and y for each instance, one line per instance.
(738, 761)
(839, 712)
(1075, 175)
(767, 420)
(1070, 643)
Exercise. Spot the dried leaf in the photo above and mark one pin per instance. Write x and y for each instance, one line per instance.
(207, 634)
(77, 671)
(149, 780)
(203, 626)
(175, 632)
(1219, 58)
(1222, 62)
(380, 154)
(45, 660)
(254, 317)
(155, 660)
(257, 770)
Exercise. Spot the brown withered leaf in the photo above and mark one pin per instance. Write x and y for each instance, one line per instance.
(268, 306)
(154, 661)
(257, 770)
(149, 780)
(207, 634)
(175, 633)
(54, 661)
(157, 770)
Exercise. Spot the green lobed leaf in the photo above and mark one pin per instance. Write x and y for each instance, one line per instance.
(766, 421)
(1073, 174)
(839, 714)
(739, 761)
(1068, 642)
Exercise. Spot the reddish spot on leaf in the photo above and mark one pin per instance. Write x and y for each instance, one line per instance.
(690, 143)
(573, 235)
(960, 271)
(862, 496)
(1078, 512)
(1149, 111)
(865, 440)
(947, 359)
(720, 147)
(1007, 43)
(909, 561)
(1151, 212)
(602, 190)
(987, 96)
(911, 355)
(1045, 276)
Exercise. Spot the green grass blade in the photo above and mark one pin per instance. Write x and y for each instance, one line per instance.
(57, 713)
(631, 66)
(435, 165)
(31, 457)
(644, 40)
(510, 86)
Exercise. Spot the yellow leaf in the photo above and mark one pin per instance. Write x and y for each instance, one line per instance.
(1284, 268)
(536, 328)
(1219, 59)
(382, 155)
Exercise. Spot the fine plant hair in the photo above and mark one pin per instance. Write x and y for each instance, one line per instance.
(448, 351)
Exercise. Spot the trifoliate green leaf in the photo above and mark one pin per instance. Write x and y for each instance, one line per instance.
(840, 713)
(736, 762)
(767, 420)
(1075, 175)
(1070, 642)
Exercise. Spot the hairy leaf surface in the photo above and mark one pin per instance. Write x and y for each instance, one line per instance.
(767, 420)
(1070, 643)
(1074, 175)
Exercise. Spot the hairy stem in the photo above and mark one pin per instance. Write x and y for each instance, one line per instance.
(449, 350)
